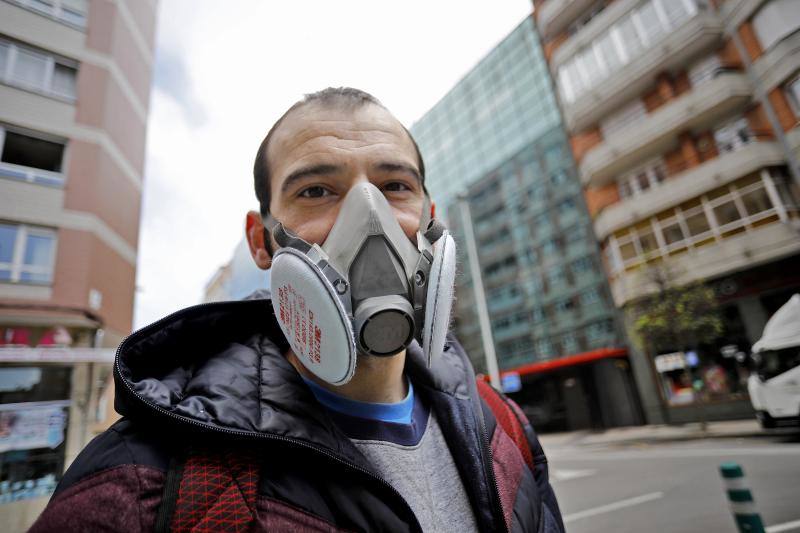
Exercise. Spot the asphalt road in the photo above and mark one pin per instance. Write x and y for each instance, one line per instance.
(674, 487)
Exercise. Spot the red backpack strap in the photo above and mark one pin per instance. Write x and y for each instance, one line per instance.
(509, 416)
(210, 490)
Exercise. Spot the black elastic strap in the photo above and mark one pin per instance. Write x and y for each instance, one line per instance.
(169, 497)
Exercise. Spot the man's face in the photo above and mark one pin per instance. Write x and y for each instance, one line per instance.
(318, 153)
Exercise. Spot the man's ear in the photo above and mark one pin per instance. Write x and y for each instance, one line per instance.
(254, 230)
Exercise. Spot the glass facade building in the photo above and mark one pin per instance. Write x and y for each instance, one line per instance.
(499, 107)
(497, 136)
(497, 140)
(545, 289)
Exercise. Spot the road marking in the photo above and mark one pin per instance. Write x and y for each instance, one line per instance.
(566, 475)
(630, 502)
(786, 526)
(582, 455)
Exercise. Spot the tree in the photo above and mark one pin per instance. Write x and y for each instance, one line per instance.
(677, 317)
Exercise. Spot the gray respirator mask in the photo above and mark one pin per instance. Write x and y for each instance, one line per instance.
(368, 289)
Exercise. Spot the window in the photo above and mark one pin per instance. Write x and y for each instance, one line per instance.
(26, 254)
(647, 21)
(556, 276)
(756, 201)
(599, 330)
(733, 135)
(744, 204)
(27, 157)
(584, 264)
(544, 348)
(37, 71)
(569, 343)
(697, 223)
(72, 12)
(642, 179)
(776, 20)
(793, 93)
(590, 296)
(620, 44)
(672, 233)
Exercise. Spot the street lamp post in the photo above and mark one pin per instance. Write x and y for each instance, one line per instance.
(480, 295)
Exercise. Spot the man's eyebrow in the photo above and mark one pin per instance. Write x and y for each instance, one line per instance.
(305, 172)
(399, 167)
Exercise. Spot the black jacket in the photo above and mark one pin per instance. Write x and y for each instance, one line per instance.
(214, 375)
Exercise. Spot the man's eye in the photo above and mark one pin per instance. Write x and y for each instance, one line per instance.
(314, 192)
(396, 186)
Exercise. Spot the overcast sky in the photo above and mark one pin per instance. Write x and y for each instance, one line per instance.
(226, 70)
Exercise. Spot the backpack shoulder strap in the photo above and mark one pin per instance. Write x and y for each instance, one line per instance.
(509, 416)
(209, 490)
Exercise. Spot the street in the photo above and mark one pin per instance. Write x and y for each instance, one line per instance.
(673, 487)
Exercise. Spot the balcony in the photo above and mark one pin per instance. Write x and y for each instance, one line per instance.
(699, 33)
(687, 185)
(555, 15)
(699, 108)
(757, 246)
(778, 63)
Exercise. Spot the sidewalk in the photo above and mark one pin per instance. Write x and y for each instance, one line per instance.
(654, 434)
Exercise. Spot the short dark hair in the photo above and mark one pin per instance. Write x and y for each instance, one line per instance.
(346, 97)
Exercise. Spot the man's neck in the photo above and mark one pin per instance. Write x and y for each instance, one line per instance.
(377, 379)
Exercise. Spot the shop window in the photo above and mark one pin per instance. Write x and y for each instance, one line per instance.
(37, 71)
(26, 254)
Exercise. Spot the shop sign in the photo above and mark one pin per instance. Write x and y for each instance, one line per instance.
(27, 426)
(670, 361)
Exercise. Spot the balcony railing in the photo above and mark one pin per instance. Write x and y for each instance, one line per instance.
(687, 185)
(645, 138)
(31, 175)
(629, 79)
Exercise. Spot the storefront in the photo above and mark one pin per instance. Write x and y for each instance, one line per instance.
(709, 381)
(53, 400)
(591, 390)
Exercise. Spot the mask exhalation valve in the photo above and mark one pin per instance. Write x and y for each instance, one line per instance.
(384, 325)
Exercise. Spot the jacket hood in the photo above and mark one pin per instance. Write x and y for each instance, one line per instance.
(221, 367)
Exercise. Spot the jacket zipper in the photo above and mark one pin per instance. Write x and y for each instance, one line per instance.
(248, 434)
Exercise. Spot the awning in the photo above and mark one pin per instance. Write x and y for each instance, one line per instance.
(56, 355)
(569, 360)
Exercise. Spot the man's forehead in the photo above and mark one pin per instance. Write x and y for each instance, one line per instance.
(329, 123)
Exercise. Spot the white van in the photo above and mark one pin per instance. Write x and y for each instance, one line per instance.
(774, 385)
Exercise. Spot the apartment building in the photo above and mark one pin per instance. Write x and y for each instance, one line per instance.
(74, 93)
(683, 118)
(496, 140)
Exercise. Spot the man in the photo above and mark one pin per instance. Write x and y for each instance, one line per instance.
(316, 410)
